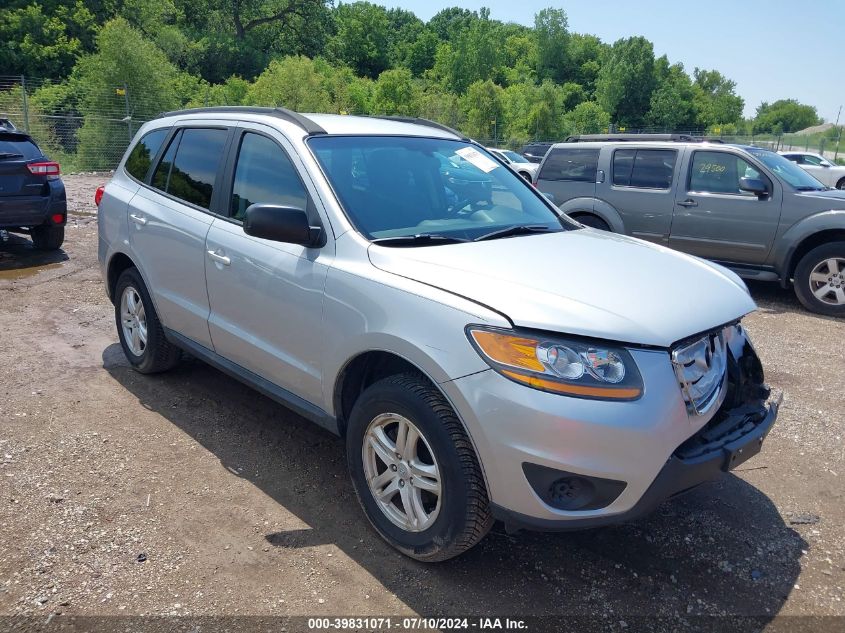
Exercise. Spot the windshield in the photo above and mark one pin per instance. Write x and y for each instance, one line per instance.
(786, 170)
(396, 186)
(514, 157)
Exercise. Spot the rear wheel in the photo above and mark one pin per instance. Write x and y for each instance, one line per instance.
(141, 333)
(47, 238)
(841, 184)
(820, 279)
(594, 222)
(415, 471)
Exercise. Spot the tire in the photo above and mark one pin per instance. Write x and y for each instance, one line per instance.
(594, 222)
(47, 238)
(155, 354)
(459, 516)
(824, 266)
(526, 175)
(841, 184)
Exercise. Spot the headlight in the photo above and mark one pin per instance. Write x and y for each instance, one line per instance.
(573, 367)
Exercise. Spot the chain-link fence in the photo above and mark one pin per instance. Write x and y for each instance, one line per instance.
(88, 127)
(85, 128)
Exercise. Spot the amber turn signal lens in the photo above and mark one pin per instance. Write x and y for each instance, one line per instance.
(505, 349)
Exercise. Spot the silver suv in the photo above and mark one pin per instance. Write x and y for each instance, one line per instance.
(482, 355)
(746, 208)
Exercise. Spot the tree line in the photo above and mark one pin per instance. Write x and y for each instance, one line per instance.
(489, 78)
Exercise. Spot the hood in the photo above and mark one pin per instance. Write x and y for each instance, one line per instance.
(582, 282)
(827, 200)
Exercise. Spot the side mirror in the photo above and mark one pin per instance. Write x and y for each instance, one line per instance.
(755, 186)
(281, 224)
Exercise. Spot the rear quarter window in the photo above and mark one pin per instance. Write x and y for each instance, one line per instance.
(15, 144)
(139, 160)
(571, 164)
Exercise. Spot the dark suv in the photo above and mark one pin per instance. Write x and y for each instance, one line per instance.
(746, 208)
(32, 195)
(535, 151)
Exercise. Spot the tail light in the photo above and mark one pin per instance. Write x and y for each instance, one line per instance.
(44, 169)
(98, 195)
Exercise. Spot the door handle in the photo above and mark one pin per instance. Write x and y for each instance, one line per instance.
(222, 259)
(138, 219)
(688, 203)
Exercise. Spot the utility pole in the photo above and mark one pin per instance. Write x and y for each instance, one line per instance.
(838, 135)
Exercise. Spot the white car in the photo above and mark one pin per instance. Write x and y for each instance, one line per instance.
(518, 163)
(818, 166)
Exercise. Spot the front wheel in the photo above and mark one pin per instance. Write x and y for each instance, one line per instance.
(820, 279)
(47, 238)
(415, 471)
(841, 184)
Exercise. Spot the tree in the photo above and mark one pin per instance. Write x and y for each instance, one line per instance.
(785, 115)
(586, 118)
(715, 99)
(585, 54)
(450, 22)
(552, 36)
(130, 71)
(42, 43)
(422, 52)
(291, 82)
(472, 56)
(395, 93)
(362, 38)
(483, 111)
(672, 105)
(626, 81)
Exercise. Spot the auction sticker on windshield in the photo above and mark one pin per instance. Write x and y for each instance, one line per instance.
(478, 159)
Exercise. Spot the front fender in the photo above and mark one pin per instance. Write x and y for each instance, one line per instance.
(788, 242)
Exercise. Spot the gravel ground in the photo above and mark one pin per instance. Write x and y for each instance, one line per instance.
(190, 494)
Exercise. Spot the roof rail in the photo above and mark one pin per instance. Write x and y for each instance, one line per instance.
(421, 121)
(676, 138)
(281, 113)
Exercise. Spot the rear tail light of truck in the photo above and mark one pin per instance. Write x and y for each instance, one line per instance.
(98, 195)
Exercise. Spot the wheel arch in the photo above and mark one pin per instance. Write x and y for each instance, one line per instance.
(363, 370)
(596, 207)
(807, 243)
(117, 264)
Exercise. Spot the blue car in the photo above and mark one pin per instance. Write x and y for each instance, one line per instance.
(32, 194)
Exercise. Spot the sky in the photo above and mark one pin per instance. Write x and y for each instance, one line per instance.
(772, 49)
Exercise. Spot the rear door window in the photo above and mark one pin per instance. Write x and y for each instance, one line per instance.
(577, 164)
(189, 167)
(139, 160)
(644, 168)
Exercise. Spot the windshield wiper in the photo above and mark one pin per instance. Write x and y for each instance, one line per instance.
(420, 239)
(519, 229)
(10, 155)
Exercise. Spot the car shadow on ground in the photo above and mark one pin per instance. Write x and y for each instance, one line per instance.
(20, 259)
(722, 549)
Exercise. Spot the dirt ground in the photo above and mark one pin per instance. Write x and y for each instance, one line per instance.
(188, 493)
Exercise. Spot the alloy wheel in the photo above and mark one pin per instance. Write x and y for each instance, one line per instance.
(827, 281)
(133, 320)
(402, 472)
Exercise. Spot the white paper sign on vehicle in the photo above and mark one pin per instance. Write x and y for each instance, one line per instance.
(478, 159)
